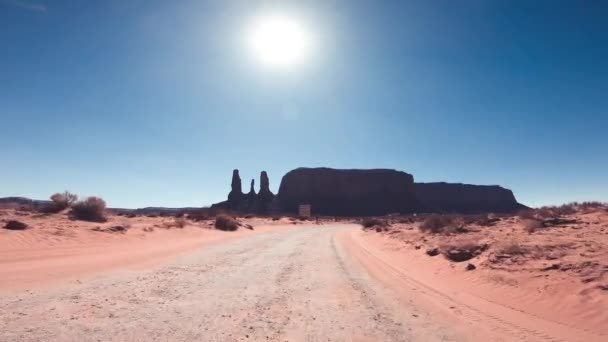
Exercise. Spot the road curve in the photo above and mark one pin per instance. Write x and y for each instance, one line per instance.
(293, 285)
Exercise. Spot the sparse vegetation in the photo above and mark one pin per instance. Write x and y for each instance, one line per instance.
(437, 224)
(226, 223)
(511, 248)
(462, 249)
(179, 222)
(60, 202)
(91, 209)
(532, 225)
(371, 222)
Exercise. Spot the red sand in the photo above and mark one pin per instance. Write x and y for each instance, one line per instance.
(55, 248)
(572, 300)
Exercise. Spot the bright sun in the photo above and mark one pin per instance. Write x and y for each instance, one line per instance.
(278, 40)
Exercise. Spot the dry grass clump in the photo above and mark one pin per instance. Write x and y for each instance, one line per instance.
(512, 248)
(179, 222)
(438, 224)
(370, 222)
(552, 212)
(91, 209)
(226, 223)
(532, 225)
(60, 202)
(459, 250)
(201, 214)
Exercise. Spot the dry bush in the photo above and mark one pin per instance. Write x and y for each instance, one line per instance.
(464, 244)
(91, 209)
(591, 206)
(226, 223)
(276, 218)
(462, 249)
(532, 225)
(566, 209)
(527, 214)
(179, 222)
(406, 219)
(60, 202)
(437, 224)
(371, 222)
(201, 214)
(512, 248)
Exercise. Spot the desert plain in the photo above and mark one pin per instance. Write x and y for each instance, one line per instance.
(534, 276)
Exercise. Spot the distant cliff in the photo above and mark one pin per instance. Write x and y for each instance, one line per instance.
(466, 198)
(348, 192)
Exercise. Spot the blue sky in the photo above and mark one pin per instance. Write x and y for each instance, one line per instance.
(155, 102)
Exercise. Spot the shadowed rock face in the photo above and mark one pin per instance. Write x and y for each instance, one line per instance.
(251, 202)
(251, 196)
(348, 192)
(236, 193)
(466, 198)
(365, 193)
(265, 196)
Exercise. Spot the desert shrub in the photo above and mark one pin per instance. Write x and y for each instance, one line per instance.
(371, 222)
(201, 214)
(436, 224)
(565, 209)
(180, 222)
(91, 209)
(592, 206)
(511, 248)
(226, 223)
(15, 225)
(527, 214)
(276, 218)
(532, 225)
(462, 249)
(249, 216)
(60, 202)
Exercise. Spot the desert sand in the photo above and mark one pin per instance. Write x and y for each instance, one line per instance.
(71, 281)
(56, 248)
(552, 280)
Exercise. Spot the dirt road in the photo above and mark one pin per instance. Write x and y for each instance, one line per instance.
(294, 285)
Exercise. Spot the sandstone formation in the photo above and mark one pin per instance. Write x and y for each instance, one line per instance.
(260, 203)
(265, 196)
(251, 196)
(235, 197)
(466, 198)
(348, 192)
(370, 192)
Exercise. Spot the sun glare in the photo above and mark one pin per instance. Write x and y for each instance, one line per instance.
(278, 40)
